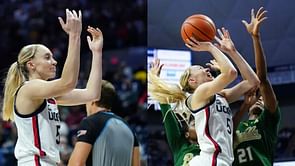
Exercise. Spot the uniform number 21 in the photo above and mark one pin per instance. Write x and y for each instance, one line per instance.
(245, 155)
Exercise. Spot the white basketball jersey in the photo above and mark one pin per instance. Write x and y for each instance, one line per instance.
(213, 124)
(38, 135)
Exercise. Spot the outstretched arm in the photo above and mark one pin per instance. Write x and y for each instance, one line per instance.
(250, 78)
(227, 74)
(93, 87)
(70, 72)
(266, 90)
(171, 124)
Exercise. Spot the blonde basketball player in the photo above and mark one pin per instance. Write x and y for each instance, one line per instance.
(209, 100)
(31, 96)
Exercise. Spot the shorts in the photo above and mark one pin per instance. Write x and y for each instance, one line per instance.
(207, 160)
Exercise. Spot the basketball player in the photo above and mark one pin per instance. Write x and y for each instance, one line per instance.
(31, 96)
(103, 138)
(209, 99)
(256, 138)
(179, 127)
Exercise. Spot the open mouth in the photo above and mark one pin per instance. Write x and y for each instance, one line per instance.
(209, 74)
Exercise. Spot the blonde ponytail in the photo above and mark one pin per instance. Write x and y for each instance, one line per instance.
(16, 75)
(163, 92)
(13, 80)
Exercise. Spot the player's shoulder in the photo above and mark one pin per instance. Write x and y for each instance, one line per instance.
(98, 117)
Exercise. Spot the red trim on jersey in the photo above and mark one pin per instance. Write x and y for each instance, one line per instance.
(207, 132)
(37, 160)
(37, 140)
(51, 101)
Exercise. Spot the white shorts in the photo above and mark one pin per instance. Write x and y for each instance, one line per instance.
(207, 160)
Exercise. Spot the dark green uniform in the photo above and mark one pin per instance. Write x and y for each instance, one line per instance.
(183, 151)
(256, 139)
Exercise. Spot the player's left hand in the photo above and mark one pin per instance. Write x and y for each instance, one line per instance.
(256, 20)
(213, 65)
(224, 42)
(96, 43)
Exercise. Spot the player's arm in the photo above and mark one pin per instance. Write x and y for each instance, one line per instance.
(80, 154)
(93, 87)
(249, 100)
(171, 125)
(227, 73)
(86, 137)
(136, 156)
(269, 97)
(39, 89)
(250, 79)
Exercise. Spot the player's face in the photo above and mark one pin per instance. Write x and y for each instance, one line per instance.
(44, 64)
(200, 75)
(257, 108)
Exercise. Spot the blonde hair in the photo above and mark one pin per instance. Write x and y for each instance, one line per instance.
(166, 93)
(16, 75)
(163, 92)
(184, 81)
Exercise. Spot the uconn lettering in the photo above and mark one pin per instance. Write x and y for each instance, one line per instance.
(220, 107)
(53, 116)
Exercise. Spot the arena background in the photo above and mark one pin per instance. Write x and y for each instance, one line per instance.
(165, 18)
(123, 24)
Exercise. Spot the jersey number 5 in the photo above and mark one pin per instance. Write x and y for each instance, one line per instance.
(228, 125)
(57, 134)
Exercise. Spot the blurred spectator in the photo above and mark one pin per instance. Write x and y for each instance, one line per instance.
(286, 143)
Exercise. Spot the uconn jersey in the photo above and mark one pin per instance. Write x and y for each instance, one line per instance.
(38, 135)
(213, 124)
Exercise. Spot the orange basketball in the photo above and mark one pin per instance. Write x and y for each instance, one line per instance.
(199, 26)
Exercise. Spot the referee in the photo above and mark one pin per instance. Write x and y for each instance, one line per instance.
(103, 138)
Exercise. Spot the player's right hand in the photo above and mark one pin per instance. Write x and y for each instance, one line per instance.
(73, 25)
(196, 45)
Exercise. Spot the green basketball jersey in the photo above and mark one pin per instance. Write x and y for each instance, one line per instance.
(183, 151)
(255, 140)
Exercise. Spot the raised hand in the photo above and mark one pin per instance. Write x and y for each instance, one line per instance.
(96, 43)
(256, 20)
(73, 23)
(225, 44)
(195, 45)
(156, 67)
(213, 65)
